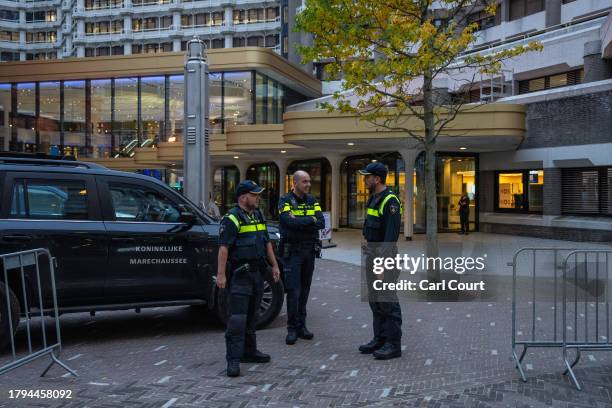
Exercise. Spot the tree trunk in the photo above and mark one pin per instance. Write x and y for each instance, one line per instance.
(431, 198)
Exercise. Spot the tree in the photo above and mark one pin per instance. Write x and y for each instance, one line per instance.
(389, 52)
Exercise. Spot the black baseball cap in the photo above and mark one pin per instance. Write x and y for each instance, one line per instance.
(376, 169)
(248, 186)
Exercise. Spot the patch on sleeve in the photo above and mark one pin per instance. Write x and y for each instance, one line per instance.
(221, 229)
(393, 208)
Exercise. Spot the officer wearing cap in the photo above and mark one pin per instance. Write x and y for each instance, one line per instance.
(300, 221)
(244, 246)
(381, 231)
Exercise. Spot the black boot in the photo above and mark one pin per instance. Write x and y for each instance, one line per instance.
(233, 368)
(370, 347)
(388, 351)
(304, 333)
(258, 357)
(291, 337)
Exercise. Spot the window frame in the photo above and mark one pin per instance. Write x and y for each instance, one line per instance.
(108, 210)
(525, 180)
(93, 209)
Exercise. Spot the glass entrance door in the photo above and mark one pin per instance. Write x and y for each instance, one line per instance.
(455, 175)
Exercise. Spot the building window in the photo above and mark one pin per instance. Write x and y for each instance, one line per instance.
(48, 16)
(102, 4)
(520, 191)
(239, 16)
(522, 8)
(217, 18)
(569, 78)
(239, 42)
(9, 15)
(586, 191)
(255, 41)
(9, 36)
(485, 20)
(271, 13)
(218, 43)
(272, 40)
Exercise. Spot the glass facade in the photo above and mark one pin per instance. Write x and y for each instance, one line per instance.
(267, 176)
(455, 174)
(354, 192)
(224, 187)
(103, 118)
(320, 179)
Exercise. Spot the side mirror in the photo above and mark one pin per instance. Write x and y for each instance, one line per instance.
(187, 217)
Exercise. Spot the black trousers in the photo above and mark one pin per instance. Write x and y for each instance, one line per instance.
(386, 310)
(243, 297)
(464, 218)
(298, 271)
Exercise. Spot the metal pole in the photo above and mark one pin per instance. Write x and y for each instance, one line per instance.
(196, 164)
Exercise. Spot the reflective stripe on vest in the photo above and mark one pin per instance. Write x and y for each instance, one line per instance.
(247, 227)
(377, 213)
(301, 209)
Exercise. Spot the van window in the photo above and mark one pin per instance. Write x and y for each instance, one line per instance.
(137, 203)
(50, 199)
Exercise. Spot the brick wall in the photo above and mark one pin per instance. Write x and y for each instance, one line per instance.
(565, 234)
(552, 191)
(584, 119)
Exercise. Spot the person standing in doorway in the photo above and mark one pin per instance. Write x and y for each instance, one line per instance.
(464, 213)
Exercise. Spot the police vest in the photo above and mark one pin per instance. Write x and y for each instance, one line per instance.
(250, 244)
(373, 226)
(308, 208)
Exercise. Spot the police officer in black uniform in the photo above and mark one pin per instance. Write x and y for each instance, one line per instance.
(244, 246)
(381, 231)
(300, 221)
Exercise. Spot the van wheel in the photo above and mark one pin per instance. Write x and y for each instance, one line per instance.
(269, 308)
(5, 327)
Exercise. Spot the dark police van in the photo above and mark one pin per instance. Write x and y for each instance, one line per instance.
(121, 240)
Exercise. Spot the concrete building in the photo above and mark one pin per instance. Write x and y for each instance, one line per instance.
(55, 29)
(537, 161)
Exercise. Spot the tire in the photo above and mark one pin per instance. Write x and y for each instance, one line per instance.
(5, 328)
(270, 306)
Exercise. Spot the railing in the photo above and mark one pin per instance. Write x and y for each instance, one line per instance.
(23, 270)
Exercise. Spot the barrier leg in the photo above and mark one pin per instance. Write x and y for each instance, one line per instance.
(518, 362)
(569, 369)
(55, 360)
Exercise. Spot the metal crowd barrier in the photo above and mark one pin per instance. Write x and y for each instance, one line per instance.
(587, 296)
(564, 305)
(537, 336)
(32, 293)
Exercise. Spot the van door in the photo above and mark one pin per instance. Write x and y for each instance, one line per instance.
(59, 212)
(152, 258)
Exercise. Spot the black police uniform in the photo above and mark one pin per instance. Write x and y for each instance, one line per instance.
(300, 222)
(381, 231)
(246, 237)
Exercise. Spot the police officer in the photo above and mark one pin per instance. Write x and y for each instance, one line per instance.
(300, 221)
(244, 246)
(381, 230)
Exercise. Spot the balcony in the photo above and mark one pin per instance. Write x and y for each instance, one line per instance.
(35, 4)
(36, 25)
(10, 24)
(190, 31)
(152, 33)
(93, 38)
(508, 29)
(269, 25)
(97, 12)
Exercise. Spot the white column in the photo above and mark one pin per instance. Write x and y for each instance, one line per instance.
(409, 157)
(229, 16)
(127, 24)
(176, 20)
(127, 48)
(336, 163)
(81, 28)
(229, 41)
(80, 51)
(176, 44)
(242, 169)
(282, 164)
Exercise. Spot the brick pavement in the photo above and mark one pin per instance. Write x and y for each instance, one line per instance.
(455, 355)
